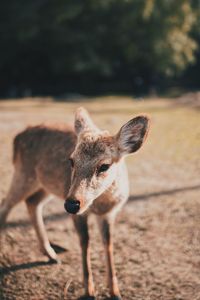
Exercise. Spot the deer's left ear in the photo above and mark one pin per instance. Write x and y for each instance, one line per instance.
(83, 121)
(132, 135)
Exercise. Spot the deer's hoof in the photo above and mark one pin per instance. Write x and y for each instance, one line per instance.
(115, 298)
(55, 261)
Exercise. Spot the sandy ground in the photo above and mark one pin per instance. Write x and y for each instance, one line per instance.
(157, 235)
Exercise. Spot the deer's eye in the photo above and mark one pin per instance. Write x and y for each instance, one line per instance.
(71, 161)
(103, 168)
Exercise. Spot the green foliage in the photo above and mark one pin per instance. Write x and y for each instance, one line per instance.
(84, 39)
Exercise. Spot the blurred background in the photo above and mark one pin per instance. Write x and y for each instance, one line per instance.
(91, 47)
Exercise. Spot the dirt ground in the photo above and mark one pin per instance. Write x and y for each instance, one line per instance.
(157, 234)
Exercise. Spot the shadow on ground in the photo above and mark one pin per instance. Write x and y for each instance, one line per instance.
(163, 193)
(6, 270)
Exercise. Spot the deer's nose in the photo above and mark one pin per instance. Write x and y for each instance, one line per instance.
(72, 206)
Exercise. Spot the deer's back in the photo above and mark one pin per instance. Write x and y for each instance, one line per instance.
(43, 151)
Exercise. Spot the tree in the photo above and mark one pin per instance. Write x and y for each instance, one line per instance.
(76, 43)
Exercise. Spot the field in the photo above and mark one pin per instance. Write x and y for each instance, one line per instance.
(157, 234)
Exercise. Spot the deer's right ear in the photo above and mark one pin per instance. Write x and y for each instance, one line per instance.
(83, 121)
(132, 135)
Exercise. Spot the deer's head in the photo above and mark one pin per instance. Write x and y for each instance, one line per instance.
(96, 157)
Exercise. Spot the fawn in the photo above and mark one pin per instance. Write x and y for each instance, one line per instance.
(83, 166)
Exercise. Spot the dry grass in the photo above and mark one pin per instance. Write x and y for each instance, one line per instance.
(157, 235)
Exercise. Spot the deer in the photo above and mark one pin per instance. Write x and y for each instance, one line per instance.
(85, 167)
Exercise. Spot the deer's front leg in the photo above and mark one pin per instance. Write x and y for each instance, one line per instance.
(82, 229)
(106, 227)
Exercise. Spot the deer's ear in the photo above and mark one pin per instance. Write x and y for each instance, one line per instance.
(83, 121)
(132, 135)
